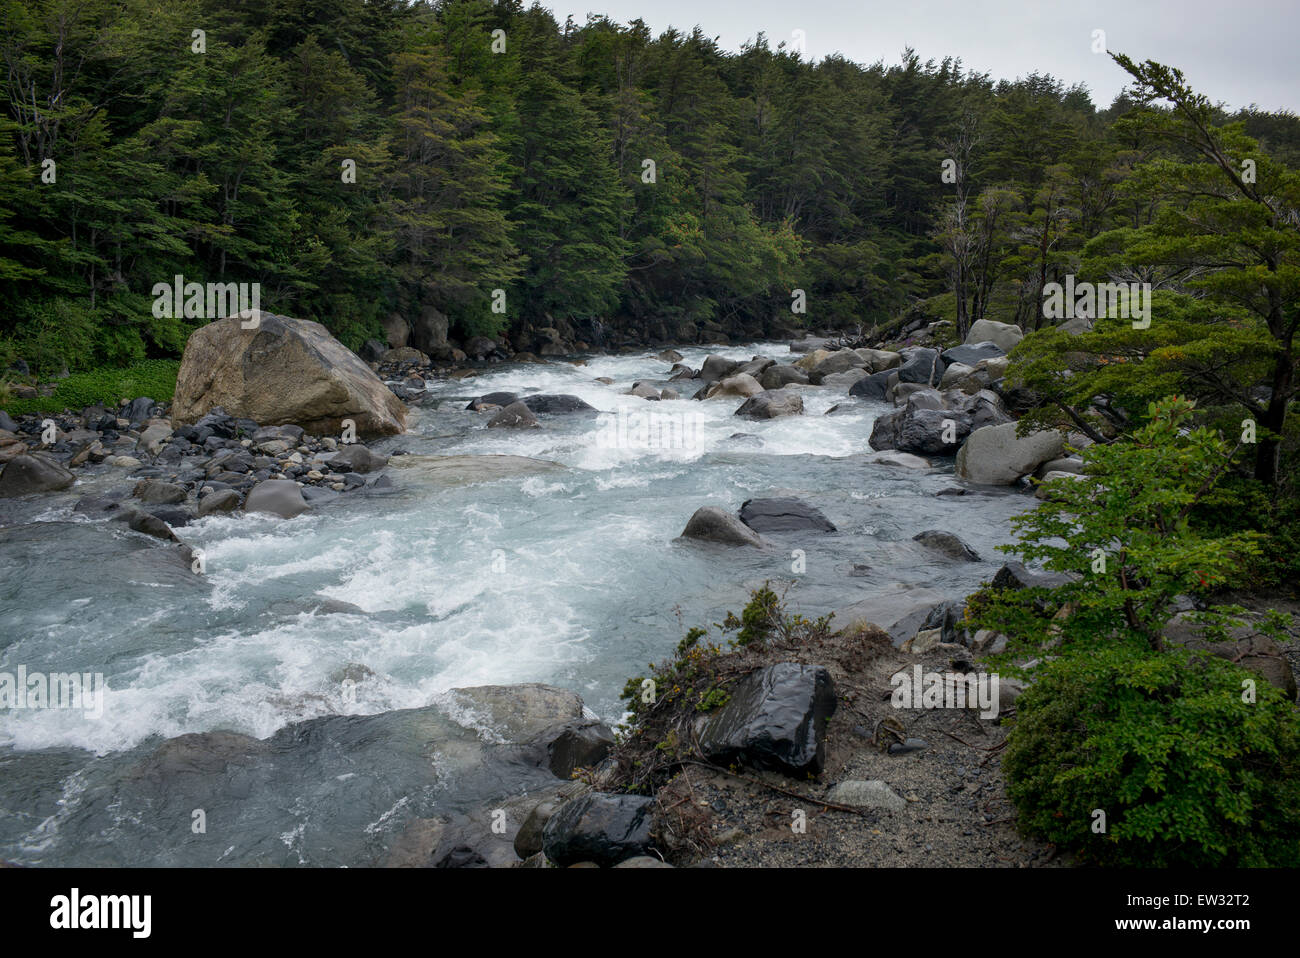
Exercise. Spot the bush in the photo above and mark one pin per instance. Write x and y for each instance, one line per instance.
(1186, 772)
(155, 378)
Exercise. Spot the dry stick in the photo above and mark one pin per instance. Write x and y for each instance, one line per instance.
(777, 788)
(982, 748)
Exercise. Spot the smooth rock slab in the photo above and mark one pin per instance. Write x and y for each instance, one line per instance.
(775, 719)
(996, 456)
(599, 827)
(783, 515)
(32, 473)
(947, 544)
(771, 404)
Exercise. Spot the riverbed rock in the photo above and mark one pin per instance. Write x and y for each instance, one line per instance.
(716, 368)
(514, 416)
(499, 399)
(711, 524)
(670, 356)
(996, 456)
(903, 460)
(219, 500)
(575, 743)
(281, 497)
(866, 794)
(33, 472)
(456, 470)
(283, 370)
(1014, 576)
(921, 365)
(777, 376)
(355, 457)
(772, 404)
(948, 544)
(544, 404)
(1004, 335)
(157, 491)
(516, 713)
(783, 515)
(972, 353)
(774, 720)
(875, 386)
(599, 827)
(741, 384)
(878, 360)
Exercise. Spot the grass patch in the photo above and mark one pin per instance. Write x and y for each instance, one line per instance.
(155, 378)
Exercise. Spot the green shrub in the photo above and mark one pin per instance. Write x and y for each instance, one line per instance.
(1186, 772)
(155, 378)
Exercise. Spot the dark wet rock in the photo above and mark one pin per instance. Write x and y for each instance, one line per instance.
(716, 368)
(775, 719)
(557, 405)
(219, 500)
(502, 399)
(776, 377)
(875, 386)
(528, 840)
(576, 743)
(599, 827)
(948, 544)
(711, 524)
(31, 473)
(921, 365)
(783, 515)
(1014, 575)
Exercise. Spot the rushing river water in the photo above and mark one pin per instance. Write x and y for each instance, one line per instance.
(568, 576)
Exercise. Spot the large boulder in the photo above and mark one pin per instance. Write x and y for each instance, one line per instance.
(772, 404)
(501, 399)
(281, 497)
(599, 827)
(875, 386)
(741, 384)
(355, 457)
(544, 404)
(877, 360)
(775, 376)
(783, 515)
(515, 416)
(837, 362)
(1005, 335)
(996, 456)
(711, 524)
(715, 368)
(282, 370)
(948, 544)
(33, 472)
(921, 365)
(775, 720)
(429, 330)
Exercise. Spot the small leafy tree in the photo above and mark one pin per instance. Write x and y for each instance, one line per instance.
(1124, 531)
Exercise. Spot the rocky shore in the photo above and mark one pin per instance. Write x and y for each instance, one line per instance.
(799, 758)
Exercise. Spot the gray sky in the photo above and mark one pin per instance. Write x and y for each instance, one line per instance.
(1235, 52)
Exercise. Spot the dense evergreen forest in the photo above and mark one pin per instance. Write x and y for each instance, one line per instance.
(365, 160)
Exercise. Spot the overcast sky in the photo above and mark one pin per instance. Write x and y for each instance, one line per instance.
(1235, 52)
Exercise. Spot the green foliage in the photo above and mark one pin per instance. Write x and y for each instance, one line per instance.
(155, 378)
(1126, 533)
(1186, 772)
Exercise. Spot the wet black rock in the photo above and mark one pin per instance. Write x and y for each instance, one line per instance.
(599, 827)
(784, 515)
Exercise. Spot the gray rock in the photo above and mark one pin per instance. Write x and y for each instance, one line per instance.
(281, 497)
(547, 405)
(996, 456)
(515, 416)
(772, 404)
(947, 544)
(221, 500)
(32, 473)
(711, 524)
(157, 491)
(1004, 335)
(775, 377)
(971, 353)
(921, 365)
(874, 386)
(528, 840)
(502, 399)
(576, 743)
(354, 457)
(775, 720)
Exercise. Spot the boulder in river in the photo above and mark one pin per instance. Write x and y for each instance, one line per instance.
(501, 399)
(741, 384)
(921, 365)
(711, 524)
(282, 370)
(599, 827)
(355, 457)
(544, 404)
(783, 515)
(514, 416)
(777, 376)
(281, 497)
(996, 456)
(772, 404)
(31, 473)
(948, 544)
(775, 719)
(875, 386)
